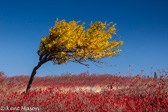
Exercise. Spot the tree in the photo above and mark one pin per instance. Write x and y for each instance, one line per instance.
(155, 75)
(1, 76)
(71, 42)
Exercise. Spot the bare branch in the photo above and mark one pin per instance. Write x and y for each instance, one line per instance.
(79, 61)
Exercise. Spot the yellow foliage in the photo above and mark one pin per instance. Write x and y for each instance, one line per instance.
(71, 41)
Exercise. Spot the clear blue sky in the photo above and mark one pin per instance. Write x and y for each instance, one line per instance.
(142, 25)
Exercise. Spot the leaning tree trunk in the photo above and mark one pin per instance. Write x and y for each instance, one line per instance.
(42, 61)
(32, 75)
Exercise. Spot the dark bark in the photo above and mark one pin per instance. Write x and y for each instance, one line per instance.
(42, 61)
(32, 75)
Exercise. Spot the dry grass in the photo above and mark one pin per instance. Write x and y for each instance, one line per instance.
(93, 89)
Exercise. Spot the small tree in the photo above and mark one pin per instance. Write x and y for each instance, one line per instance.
(155, 75)
(1, 76)
(71, 42)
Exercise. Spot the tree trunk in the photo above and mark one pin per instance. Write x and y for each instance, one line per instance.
(32, 75)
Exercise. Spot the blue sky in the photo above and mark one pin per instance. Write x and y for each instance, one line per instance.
(142, 25)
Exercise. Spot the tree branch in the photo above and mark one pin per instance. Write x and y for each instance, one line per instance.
(78, 61)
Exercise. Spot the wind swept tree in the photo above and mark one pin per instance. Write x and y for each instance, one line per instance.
(71, 42)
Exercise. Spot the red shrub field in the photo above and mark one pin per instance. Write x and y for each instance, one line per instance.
(85, 93)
